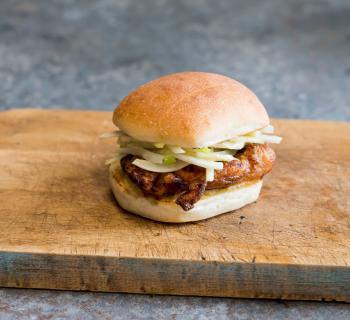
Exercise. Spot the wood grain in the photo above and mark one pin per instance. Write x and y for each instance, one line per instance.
(60, 227)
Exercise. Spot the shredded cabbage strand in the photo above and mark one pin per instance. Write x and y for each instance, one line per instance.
(160, 157)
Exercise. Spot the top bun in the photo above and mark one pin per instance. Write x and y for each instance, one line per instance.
(190, 109)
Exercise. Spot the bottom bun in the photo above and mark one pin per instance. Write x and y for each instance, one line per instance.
(213, 202)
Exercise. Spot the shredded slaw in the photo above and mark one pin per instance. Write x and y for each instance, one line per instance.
(160, 157)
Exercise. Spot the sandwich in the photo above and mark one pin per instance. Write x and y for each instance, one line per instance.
(191, 146)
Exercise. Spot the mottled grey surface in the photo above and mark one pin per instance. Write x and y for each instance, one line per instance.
(41, 304)
(88, 54)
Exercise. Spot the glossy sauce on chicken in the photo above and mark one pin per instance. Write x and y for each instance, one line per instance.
(189, 183)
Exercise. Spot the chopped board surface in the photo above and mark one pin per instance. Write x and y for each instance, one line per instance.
(57, 212)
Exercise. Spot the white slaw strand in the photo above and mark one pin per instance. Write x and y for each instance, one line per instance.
(200, 162)
(146, 154)
(209, 174)
(215, 156)
(230, 145)
(176, 149)
(272, 139)
(268, 129)
(147, 165)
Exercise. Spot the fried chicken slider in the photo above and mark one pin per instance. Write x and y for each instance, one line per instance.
(192, 145)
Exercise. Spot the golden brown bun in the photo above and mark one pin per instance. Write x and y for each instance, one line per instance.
(190, 109)
(213, 203)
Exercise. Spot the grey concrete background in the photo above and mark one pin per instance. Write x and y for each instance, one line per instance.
(88, 54)
(42, 304)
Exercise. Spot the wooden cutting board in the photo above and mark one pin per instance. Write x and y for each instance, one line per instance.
(61, 228)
